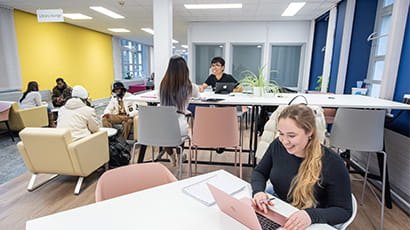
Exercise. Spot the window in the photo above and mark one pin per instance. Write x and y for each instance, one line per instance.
(134, 60)
(380, 39)
(203, 57)
(286, 61)
(245, 57)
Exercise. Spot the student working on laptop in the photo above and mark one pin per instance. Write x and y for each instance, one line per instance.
(218, 75)
(307, 175)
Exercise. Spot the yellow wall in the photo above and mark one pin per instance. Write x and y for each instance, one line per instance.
(80, 56)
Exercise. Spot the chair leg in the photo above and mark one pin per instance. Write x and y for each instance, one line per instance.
(196, 161)
(240, 162)
(31, 187)
(133, 152)
(365, 179)
(78, 185)
(180, 162)
(189, 173)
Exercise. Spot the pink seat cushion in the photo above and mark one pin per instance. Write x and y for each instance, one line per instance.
(136, 88)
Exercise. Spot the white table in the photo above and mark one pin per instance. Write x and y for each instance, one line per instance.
(110, 131)
(162, 207)
(324, 100)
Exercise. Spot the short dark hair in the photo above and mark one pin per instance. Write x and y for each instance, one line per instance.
(60, 79)
(218, 60)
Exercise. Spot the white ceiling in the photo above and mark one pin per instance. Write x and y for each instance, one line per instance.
(138, 13)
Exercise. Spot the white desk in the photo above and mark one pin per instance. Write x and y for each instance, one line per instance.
(324, 100)
(163, 207)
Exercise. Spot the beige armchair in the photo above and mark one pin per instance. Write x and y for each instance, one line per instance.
(33, 117)
(53, 151)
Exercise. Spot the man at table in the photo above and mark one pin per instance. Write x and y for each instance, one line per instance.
(218, 75)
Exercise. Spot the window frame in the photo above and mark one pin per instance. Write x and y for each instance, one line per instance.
(140, 64)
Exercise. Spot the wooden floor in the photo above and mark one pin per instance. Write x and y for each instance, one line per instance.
(17, 205)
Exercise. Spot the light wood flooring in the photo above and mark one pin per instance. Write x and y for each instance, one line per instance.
(17, 205)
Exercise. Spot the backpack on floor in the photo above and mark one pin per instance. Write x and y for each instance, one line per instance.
(119, 151)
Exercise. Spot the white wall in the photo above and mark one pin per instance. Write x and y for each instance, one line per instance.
(266, 33)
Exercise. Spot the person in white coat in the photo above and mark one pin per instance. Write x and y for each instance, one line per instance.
(77, 116)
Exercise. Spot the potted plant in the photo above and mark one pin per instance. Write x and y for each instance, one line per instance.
(319, 83)
(258, 82)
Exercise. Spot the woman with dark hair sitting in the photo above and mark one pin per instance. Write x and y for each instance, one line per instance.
(303, 173)
(32, 98)
(176, 89)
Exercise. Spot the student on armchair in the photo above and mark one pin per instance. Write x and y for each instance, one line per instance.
(119, 111)
(61, 93)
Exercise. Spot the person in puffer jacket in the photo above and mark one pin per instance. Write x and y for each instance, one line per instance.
(76, 116)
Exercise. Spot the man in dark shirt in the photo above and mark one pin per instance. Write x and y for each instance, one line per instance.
(61, 93)
(217, 68)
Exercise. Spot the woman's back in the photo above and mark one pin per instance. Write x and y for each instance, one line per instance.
(31, 100)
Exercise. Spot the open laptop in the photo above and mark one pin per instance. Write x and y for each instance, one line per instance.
(242, 211)
(224, 87)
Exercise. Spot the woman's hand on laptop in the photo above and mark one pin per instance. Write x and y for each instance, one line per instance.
(298, 220)
(261, 200)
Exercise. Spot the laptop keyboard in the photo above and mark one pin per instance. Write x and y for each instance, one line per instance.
(267, 224)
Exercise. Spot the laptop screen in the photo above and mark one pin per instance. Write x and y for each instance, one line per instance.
(224, 87)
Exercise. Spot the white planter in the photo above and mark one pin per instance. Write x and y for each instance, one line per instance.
(258, 91)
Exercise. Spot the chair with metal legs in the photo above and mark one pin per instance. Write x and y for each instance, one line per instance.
(158, 126)
(363, 131)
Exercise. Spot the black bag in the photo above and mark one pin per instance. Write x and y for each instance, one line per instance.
(119, 151)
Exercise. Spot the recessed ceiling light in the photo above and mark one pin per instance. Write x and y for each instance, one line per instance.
(77, 16)
(184, 46)
(148, 30)
(174, 41)
(118, 30)
(105, 11)
(259, 46)
(293, 8)
(221, 46)
(213, 6)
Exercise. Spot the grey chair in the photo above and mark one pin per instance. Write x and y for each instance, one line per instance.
(363, 131)
(346, 224)
(158, 127)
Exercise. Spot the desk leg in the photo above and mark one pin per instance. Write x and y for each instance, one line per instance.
(387, 193)
(255, 135)
(251, 132)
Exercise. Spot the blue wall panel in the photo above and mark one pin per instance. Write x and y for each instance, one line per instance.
(340, 19)
(363, 24)
(319, 41)
(402, 123)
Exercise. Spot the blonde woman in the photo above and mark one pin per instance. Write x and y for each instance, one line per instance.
(305, 174)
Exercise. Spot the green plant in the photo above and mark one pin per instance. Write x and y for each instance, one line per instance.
(259, 80)
(128, 75)
(319, 83)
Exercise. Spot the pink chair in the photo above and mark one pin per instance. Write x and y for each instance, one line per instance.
(4, 116)
(215, 128)
(131, 178)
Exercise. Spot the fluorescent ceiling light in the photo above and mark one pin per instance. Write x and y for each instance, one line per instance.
(118, 30)
(293, 8)
(213, 6)
(107, 12)
(77, 16)
(148, 30)
(184, 46)
(174, 41)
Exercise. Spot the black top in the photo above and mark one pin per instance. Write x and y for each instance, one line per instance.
(211, 80)
(333, 192)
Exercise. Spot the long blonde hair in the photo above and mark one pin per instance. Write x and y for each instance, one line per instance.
(301, 191)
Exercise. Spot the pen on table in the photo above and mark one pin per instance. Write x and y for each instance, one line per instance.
(263, 201)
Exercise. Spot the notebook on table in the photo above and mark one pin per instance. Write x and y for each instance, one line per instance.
(242, 211)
